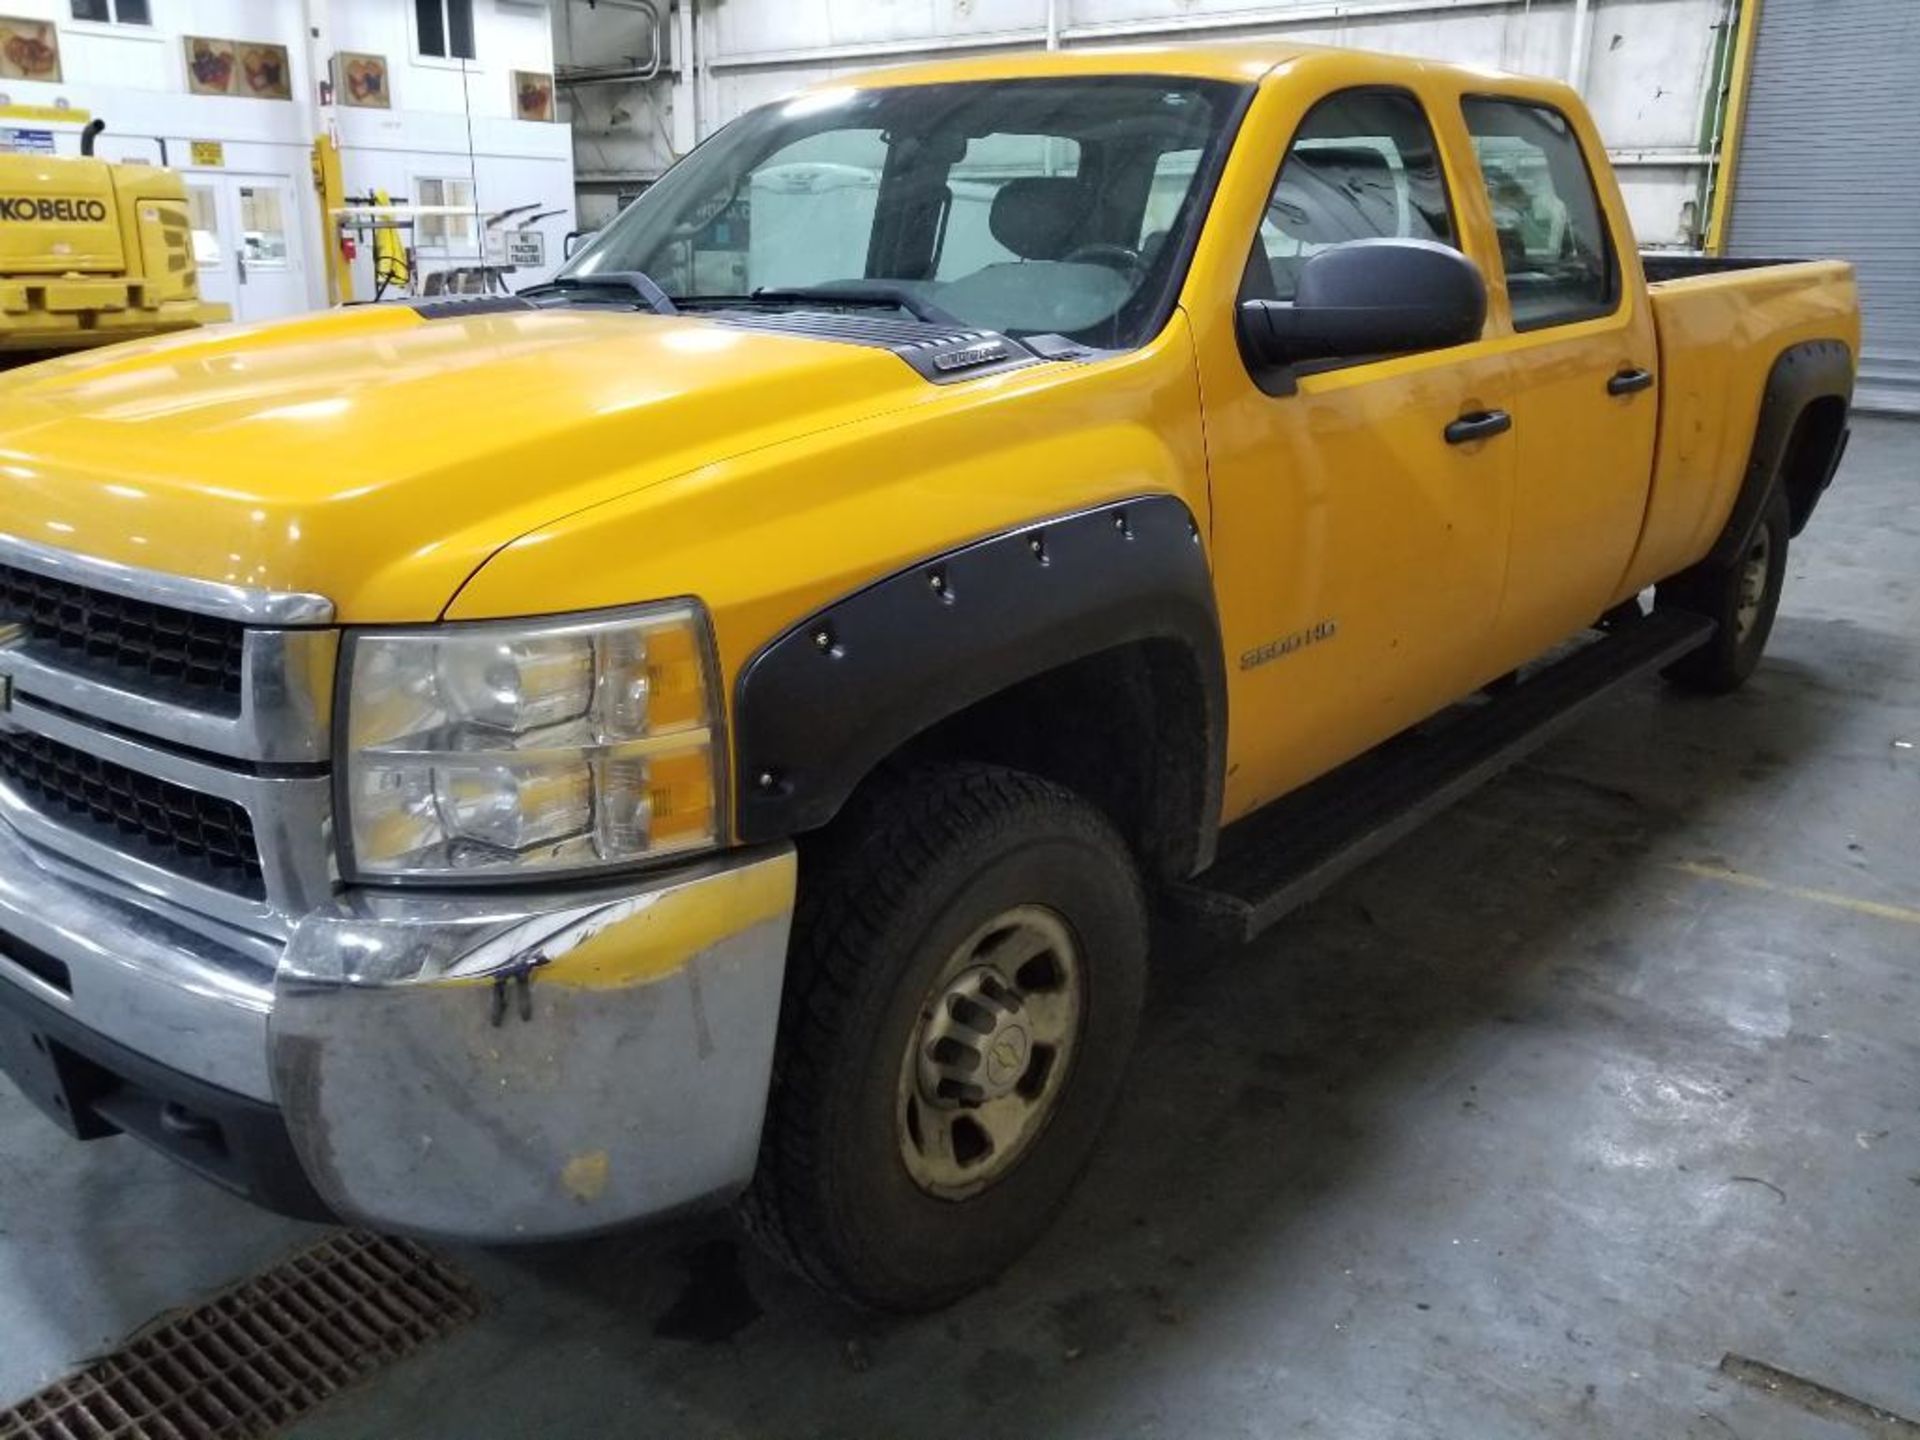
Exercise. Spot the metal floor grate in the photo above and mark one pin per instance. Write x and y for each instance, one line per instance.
(261, 1354)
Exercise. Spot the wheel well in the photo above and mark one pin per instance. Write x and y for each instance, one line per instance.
(1128, 728)
(1808, 460)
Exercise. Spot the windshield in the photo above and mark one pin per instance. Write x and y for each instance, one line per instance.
(1056, 206)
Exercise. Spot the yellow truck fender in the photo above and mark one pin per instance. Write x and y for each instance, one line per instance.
(1797, 442)
(826, 702)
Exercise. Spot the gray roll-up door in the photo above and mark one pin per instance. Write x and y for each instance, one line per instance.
(1829, 165)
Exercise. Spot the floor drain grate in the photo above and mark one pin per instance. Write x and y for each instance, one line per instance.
(260, 1354)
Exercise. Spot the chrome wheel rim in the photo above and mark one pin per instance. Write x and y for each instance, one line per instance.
(990, 1052)
(1753, 584)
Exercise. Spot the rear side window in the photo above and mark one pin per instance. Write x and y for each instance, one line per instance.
(1362, 166)
(1554, 244)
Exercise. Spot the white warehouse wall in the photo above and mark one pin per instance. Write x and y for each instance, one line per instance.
(426, 133)
(134, 77)
(1647, 67)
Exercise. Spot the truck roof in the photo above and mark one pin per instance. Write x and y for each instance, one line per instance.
(1244, 61)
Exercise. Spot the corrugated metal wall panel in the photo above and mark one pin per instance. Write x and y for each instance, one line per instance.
(1827, 166)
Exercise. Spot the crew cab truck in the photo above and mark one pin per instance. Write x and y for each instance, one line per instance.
(92, 253)
(713, 725)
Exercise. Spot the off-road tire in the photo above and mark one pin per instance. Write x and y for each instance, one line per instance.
(1725, 661)
(918, 862)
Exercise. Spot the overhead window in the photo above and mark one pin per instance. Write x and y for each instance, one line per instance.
(1362, 166)
(108, 12)
(1554, 244)
(444, 28)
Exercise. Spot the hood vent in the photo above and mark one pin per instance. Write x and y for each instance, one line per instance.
(941, 353)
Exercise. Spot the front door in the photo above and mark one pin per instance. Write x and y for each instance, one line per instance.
(1359, 551)
(247, 239)
(272, 282)
(1584, 355)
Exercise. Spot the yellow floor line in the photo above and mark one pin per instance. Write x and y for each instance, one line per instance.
(1902, 913)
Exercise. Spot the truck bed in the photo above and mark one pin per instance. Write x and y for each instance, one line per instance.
(1664, 265)
(1721, 324)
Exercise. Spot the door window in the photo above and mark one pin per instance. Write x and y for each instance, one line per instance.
(203, 214)
(1363, 165)
(1554, 244)
(263, 228)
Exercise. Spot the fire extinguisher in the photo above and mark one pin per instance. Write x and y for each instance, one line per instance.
(349, 248)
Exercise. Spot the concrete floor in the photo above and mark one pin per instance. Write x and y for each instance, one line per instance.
(1611, 1070)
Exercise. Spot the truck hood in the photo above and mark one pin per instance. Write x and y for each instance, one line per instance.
(378, 457)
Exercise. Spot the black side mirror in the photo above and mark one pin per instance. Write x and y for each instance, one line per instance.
(575, 241)
(1368, 297)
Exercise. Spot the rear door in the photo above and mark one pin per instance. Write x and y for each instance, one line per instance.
(1360, 552)
(1586, 398)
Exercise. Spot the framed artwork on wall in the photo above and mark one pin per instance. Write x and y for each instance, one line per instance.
(29, 49)
(532, 95)
(362, 80)
(237, 67)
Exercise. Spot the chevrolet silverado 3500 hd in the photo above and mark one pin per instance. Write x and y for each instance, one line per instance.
(710, 726)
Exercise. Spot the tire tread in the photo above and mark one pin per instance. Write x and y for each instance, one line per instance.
(855, 877)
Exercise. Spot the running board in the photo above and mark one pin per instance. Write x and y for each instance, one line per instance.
(1283, 855)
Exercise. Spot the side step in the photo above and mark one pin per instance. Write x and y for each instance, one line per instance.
(1283, 855)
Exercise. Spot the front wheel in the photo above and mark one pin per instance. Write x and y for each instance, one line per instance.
(966, 977)
(1741, 599)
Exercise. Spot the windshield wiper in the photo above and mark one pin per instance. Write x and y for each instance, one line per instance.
(636, 282)
(880, 293)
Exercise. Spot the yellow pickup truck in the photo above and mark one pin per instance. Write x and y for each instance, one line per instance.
(712, 726)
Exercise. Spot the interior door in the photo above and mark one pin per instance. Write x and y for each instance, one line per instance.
(1586, 402)
(1359, 549)
(269, 273)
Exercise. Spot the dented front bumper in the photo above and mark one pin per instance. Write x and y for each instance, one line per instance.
(460, 1065)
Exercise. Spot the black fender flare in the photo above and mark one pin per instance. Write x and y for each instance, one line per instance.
(1801, 374)
(820, 706)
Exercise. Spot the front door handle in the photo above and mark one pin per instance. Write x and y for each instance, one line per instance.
(1480, 425)
(1629, 382)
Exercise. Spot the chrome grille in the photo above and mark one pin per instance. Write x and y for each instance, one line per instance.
(132, 642)
(169, 733)
(202, 837)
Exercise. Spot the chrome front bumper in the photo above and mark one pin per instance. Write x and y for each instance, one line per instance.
(468, 1066)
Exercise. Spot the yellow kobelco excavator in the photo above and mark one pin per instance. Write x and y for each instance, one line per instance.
(93, 252)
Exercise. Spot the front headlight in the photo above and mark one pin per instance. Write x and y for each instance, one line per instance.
(529, 747)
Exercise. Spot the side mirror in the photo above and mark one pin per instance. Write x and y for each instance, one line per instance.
(575, 241)
(1369, 297)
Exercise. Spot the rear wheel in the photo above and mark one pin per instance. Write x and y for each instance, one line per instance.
(1741, 599)
(965, 981)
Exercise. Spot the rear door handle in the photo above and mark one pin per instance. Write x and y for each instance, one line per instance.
(1628, 382)
(1480, 425)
